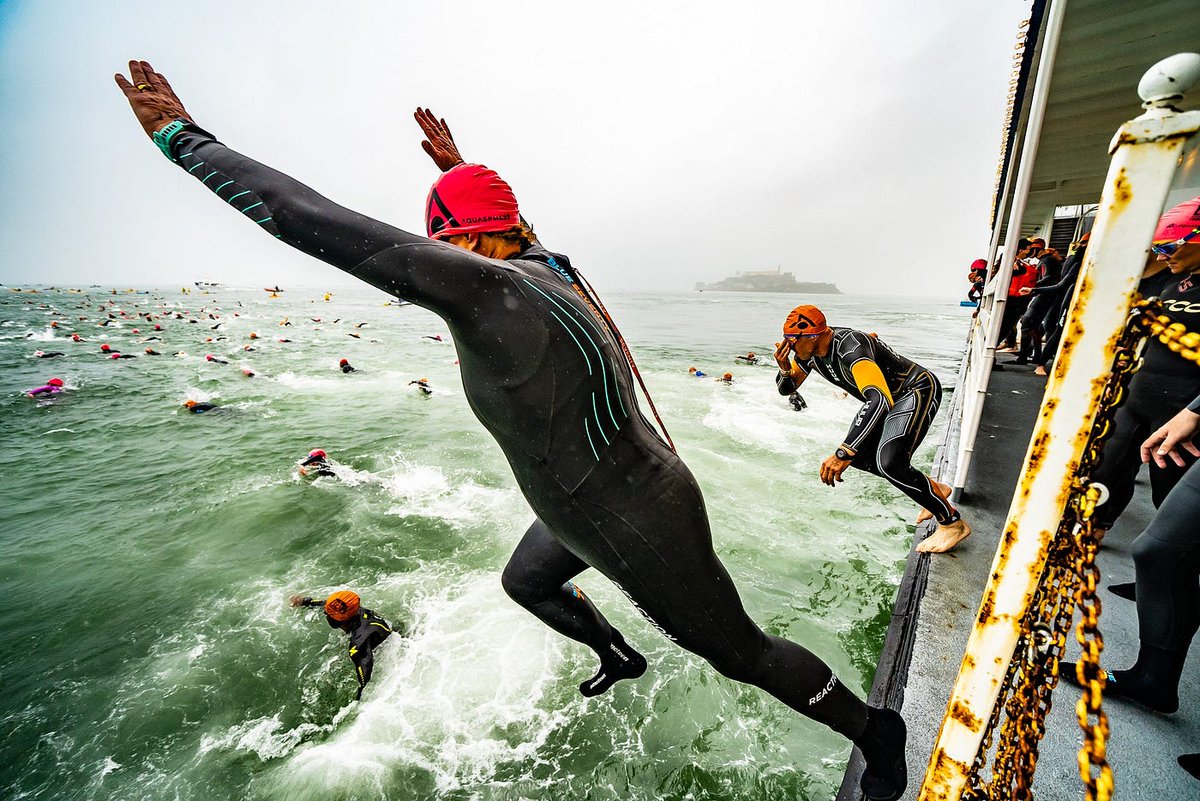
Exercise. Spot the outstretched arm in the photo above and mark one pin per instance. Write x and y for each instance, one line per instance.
(431, 274)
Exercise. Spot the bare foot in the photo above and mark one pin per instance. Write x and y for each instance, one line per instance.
(942, 490)
(945, 537)
(1040, 370)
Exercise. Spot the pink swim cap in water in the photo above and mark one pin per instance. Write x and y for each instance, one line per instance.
(470, 199)
(1178, 222)
(208, 357)
(55, 382)
(316, 452)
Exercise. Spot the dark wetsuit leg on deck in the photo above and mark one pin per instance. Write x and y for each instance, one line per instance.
(888, 452)
(547, 377)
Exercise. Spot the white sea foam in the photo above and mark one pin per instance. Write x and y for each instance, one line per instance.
(459, 698)
(426, 491)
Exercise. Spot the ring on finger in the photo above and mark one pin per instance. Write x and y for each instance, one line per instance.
(141, 87)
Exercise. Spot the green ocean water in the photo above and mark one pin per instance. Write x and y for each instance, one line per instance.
(146, 556)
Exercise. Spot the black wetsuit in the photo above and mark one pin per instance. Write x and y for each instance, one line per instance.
(548, 379)
(322, 466)
(369, 631)
(889, 427)
(201, 407)
(348, 369)
(1166, 383)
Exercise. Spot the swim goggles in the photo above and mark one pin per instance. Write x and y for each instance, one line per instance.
(1169, 248)
(803, 336)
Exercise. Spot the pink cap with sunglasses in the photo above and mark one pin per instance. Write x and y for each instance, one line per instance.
(1180, 221)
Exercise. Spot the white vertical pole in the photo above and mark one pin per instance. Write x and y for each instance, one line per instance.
(973, 402)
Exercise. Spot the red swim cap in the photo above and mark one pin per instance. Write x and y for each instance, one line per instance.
(55, 382)
(316, 452)
(344, 361)
(104, 347)
(1178, 222)
(342, 605)
(470, 199)
(978, 264)
(208, 357)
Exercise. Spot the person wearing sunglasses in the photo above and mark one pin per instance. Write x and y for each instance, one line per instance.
(1166, 381)
(367, 630)
(900, 399)
(547, 373)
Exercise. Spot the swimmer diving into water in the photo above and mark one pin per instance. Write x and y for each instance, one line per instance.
(900, 399)
(547, 373)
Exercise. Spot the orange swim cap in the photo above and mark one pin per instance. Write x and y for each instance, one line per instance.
(804, 321)
(189, 403)
(342, 605)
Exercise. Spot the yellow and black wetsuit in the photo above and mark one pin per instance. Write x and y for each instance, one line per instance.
(900, 399)
(368, 632)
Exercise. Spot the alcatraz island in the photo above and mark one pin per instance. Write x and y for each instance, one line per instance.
(768, 281)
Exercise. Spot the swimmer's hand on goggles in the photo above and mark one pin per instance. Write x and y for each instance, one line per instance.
(783, 356)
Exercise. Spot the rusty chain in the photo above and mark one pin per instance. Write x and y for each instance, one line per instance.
(1069, 581)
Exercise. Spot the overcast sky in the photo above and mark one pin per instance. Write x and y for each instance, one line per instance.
(656, 143)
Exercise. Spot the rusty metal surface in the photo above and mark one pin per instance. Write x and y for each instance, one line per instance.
(1128, 211)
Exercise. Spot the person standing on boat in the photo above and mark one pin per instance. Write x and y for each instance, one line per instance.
(900, 399)
(546, 371)
(1166, 381)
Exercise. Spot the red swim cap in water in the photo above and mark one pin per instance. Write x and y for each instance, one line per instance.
(55, 382)
(470, 199)
(344, 361)
(104, 347)
(316, 452)
(1178, 222)
(342, 605)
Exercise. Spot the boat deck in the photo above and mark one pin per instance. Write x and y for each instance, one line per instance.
(941, 594)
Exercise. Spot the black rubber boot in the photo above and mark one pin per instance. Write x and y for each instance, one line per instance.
(882, 744)
(620, 661)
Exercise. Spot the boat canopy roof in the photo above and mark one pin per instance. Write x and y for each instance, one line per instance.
(1104, 49)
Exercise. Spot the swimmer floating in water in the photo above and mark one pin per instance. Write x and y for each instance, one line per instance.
(692, 371)
(749, 358)
(198, 407)
(423, 385)
(51, 354)
(726, 379)
(51, 387)
(608, 491)
(210, 358)
(367, 630)
(317, 463)
(344, 366)
(435, 337)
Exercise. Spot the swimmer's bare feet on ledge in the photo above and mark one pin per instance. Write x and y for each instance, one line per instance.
(943, 490)
(945, 537)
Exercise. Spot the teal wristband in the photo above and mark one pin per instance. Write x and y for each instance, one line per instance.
(163, 136)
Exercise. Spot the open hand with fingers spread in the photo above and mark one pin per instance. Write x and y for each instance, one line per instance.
(439, 142)
(150, 96)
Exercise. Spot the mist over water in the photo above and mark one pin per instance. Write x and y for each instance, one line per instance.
(147, 554)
